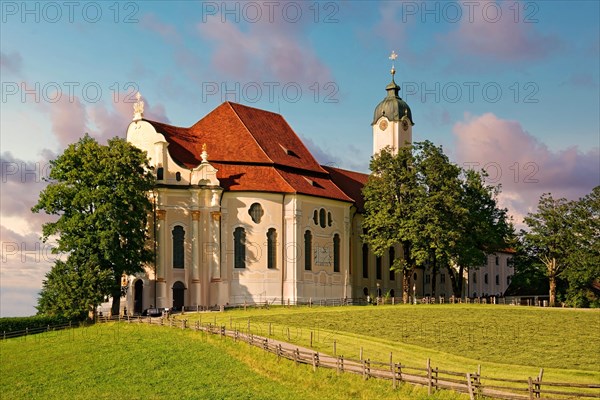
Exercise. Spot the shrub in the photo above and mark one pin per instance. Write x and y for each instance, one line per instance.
(11, 324)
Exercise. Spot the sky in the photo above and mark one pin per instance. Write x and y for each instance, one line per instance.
(512, 87)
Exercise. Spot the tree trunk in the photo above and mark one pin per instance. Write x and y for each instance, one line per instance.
(116, 297)
(456, 281)
(433, 274)
(406, 286)
(552, 278)
(461, 271)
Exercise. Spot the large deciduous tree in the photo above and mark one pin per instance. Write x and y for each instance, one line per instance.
(551, 237)
(484, 228)
(441, 215)
(390, 198)
(99, 194)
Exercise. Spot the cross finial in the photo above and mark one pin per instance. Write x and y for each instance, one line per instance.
(138, 107)
(393, 57)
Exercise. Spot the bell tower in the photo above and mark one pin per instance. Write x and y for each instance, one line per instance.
(392, 120)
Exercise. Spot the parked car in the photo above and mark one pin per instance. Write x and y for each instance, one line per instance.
(152, 312)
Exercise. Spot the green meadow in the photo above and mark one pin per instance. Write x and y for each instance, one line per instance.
(507, 341)
(127, 360)
(131, 361)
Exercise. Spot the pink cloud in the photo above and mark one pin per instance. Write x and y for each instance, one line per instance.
(266, 50)
(68, 120)
(497, 36)
(522, 164)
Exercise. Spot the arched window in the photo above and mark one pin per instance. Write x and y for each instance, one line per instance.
(497, 279)
(239, 248)
(392, 253)
(365, 260)
(272, 248)
(178, 240)
(316, 217)
(485, 279)
(256, 212)
(474, 278)
(307, 250)
(497, 260)
(322, 220)
(336, 253)
(329, 219)
(178, 176)
(160, 173)
(378, 267)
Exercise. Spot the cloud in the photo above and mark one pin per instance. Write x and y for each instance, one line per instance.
(524, 165)
(11, 63)
(22, 182)
(264, 51)
(497, 37)
(25, 261)
(167, 32)
(68, 120)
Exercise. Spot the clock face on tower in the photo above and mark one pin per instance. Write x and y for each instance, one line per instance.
(383, 125)
(405, 125)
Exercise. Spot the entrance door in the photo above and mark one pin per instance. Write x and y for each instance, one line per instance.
(138, 295)
(178, 295)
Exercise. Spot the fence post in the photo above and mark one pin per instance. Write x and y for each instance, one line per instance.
(361, 353)
(394, 384)
(538, 386)
(429, 377)
(469, 387)
(478, 380)
(334, 347)
(296, 354)
(391, 362)
(314, 362)
(342, 363)
(530, 382)
(311, 339)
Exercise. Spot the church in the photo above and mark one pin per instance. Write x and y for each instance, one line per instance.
(243, 213)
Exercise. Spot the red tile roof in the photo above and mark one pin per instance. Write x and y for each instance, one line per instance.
(253, 150)
(351, 183)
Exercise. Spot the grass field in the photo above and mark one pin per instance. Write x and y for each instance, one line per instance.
(130, 361)
(509, 342)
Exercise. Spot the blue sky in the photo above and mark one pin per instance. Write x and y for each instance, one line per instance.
(513, 86)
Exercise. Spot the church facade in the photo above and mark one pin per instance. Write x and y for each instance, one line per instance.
(243, 213)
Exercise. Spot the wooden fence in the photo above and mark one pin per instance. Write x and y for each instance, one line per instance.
(472, 383)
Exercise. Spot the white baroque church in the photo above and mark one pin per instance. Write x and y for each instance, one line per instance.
(243, 213)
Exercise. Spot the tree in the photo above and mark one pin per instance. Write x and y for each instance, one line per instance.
(390, 197)
(99, 194)
(583, 260)
(484, 228)
(74, 288)
(418, 199)
(435, 226)
(550, 237)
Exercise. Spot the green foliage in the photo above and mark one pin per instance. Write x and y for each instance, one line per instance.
(565, 236)
(99, 195)
(440, 214)
(12, 324)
